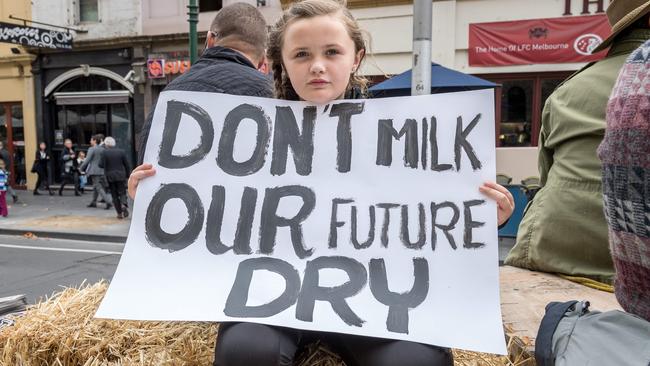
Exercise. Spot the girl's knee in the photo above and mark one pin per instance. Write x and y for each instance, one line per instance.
(254, 344)
(405, 353)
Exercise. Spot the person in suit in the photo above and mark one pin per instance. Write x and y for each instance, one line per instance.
(41, 162)
(91, 167)
(116, 170)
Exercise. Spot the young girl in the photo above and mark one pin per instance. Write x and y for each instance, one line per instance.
(316, 49)
(83, 180)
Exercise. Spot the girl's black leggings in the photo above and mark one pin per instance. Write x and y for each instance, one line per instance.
(242, 344)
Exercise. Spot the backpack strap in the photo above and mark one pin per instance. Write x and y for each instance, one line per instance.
(555, 311)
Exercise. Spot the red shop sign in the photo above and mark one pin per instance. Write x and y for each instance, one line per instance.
(537, 41)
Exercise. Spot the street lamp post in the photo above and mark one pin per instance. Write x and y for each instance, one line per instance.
(421, 73)
(193, 19)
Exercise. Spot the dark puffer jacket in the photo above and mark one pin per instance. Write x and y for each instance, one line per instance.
(219, 70)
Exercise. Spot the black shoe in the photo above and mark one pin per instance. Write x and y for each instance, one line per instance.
(125, 213)
(77, 194)
(15, 199)
(108, 206)
(36, 193)
(92, 204)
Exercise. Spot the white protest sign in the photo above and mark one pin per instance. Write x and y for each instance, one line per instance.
(361, 217)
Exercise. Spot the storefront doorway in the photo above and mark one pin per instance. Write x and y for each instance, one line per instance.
(89, 102)
(12, 136)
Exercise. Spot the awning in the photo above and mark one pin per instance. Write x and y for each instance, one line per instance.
(94, 97)
(443, 80)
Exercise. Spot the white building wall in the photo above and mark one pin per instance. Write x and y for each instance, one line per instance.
(117, 18)
(170, 16)
(390, 34)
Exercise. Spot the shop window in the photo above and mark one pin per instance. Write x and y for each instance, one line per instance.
(121, 127)
(80, 122)
(519, 102)
(516, 113)
(210, 5)
(88, 10)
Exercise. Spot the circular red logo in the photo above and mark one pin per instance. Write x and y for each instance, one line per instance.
(156, 69)
(586, 43)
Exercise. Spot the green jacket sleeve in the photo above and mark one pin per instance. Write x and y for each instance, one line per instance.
(545, 157)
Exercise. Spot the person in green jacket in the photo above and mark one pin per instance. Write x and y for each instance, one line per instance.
(564, 229)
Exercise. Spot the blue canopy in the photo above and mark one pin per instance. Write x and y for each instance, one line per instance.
(443, 80)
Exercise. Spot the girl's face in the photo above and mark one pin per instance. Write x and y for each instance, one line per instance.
(42, 146)
(319, 57)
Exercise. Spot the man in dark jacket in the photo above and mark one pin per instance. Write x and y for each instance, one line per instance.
(116, 169)
(235, 51)
(234, 54)
(91, 167)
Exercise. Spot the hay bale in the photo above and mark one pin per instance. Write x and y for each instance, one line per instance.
(62, 332)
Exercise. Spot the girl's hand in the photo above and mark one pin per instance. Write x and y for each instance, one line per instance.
(141, 172)
(505, 201)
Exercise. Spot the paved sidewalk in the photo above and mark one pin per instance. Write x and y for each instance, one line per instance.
(64, 217)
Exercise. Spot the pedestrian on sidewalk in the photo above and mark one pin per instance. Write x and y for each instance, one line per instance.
(69, 168)
(83, 180)
(6, 157)
(116, 169)
(4, 183)
(41, 162)
(96, 174)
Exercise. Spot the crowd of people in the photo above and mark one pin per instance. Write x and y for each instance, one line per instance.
(104, 166)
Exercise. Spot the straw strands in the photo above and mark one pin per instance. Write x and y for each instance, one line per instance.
(62, 332)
